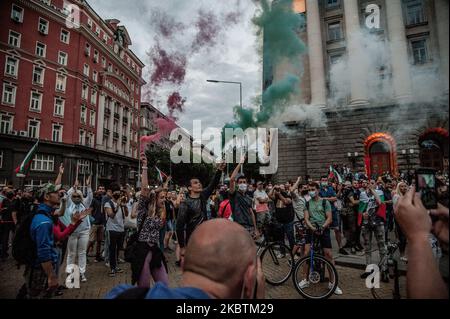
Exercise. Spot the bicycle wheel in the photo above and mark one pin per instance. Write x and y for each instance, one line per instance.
(310, 277)
(277, 261)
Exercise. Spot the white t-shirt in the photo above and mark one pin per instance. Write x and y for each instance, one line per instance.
(260, 207)
(116, 223)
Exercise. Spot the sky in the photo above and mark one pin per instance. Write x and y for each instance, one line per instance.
(230, 54)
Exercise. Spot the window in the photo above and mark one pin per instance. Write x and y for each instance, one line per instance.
(91, 140)
(86, 70)
(94, 97)
(38, 75)
(84, 92)
(89, 22)
(92, 119)
(43, 26)
(103, 62)
(115, 126)
(95, 56)
(62, 58)
(65, 36)
(82, 137)
(11, 66)
(35, 101)
(57, 132)
(105, 38)
(59, 107)
(331, 4)
(47, 2)
(110, 67)
(414, 12)
(334, 31)
(420, 54)
(94, 75)
(14, 39)
(41, 48)
(6, 123)
(43, 162)
(87, 49)
(335, 58)
(61, 82)
(9, 94)
(83, 115)
(17, 13)
(33, 128)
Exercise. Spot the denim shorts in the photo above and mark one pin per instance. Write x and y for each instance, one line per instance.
(170, 225)
(325, 238)
(336, 222)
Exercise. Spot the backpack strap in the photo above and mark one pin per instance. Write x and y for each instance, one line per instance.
(133, 293)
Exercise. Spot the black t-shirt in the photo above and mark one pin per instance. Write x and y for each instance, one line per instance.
(355, 194)
(240, 206)
(170, 210)
(388, 196)
(6, 210)
(23, 207)
(285, 214)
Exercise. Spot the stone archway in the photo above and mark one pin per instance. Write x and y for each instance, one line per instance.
(380, 154)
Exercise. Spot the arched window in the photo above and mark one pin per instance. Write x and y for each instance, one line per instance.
(380, 154)
(380, 158)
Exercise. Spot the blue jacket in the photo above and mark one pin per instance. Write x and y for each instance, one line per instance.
(161, 291)
(41, 231)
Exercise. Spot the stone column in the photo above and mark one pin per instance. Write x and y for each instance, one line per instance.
(441, 7)
(128, 133)
(120, 130)
(399, 51)
(316, 61)
(357, 59)
(111, 125)
(100, 121)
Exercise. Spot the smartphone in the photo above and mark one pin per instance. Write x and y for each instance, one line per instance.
(426, 186)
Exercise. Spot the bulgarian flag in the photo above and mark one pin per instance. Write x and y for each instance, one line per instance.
(334, 174)
(161, 175)
(22, 169)
(364, 202)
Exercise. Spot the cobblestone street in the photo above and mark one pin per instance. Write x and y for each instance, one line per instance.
(99, 283)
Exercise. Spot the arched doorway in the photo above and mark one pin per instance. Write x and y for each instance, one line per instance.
(434, 149)
(381, 155)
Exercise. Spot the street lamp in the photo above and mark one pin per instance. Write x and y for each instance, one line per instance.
(240, 99)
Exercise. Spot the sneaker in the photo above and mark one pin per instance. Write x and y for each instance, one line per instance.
(303, 284)
(404, 259)
(353, 251)
(359, 247)
(337, 291)
(107, 264)
(120, 261)
(112, 273)
(364, 275)
(119, 270)
(342, 251)
(280, 255)
(99, 259)
(83, 278)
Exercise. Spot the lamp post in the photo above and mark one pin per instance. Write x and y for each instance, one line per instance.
(240, 102)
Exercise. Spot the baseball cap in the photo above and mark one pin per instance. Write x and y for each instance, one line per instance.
(47, 189)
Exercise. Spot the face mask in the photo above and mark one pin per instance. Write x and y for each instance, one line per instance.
(304, 193)
(242, 187)
(116, 196)
(312, 194)
(10, 195)
(324, 184)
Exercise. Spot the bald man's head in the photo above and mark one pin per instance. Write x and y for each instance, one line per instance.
(221, 251)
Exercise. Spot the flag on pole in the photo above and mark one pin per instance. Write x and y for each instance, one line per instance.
(161, 174)
(335, 174)
(23, 168)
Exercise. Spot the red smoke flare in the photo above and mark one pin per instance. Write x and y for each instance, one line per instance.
(175, 103)
(167, 67)
(207, 30)
(165, 24)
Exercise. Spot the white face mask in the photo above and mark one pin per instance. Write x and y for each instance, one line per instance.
(243, 187)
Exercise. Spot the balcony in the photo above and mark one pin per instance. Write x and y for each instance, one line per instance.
(107, 111)
(116, 135)
(106, 131)
(124, 138)
(125, 120)
(116, 115)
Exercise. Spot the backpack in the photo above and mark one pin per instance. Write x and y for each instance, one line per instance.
(24, 248)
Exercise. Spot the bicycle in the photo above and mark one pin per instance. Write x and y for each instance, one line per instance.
(277, 259)
(392, 269)
(309, 273)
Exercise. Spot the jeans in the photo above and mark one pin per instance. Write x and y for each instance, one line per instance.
(367, 233)
(288, 229)
(5, 230)
(162, 234)
(115, 239)
(96, 235)
(77, 246)
(106, 247)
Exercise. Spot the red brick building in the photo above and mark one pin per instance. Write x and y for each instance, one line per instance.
(69, 79)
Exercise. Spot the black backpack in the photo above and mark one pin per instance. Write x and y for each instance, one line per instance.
(24, 248)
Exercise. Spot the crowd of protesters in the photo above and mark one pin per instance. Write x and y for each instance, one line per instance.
(69, 224)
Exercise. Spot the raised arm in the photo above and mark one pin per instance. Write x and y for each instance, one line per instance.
(88, 200)
(60, 174)
(295, 186)
(166, 183)
(144, 176)
(215, 181)
(234, 174)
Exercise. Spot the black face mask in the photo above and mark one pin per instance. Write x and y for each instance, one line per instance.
(304, 193)
(116, 196)
(10, 195)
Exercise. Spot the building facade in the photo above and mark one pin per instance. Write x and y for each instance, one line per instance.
(71, 81)
(378, 71)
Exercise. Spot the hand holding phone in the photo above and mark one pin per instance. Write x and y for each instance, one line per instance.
(426, 185)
